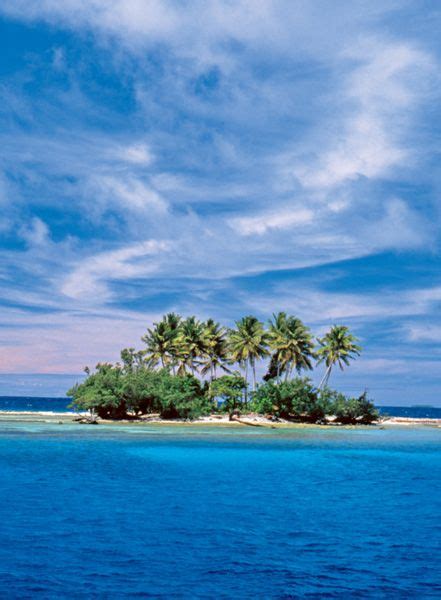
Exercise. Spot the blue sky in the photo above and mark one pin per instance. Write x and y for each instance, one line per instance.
(220, 158)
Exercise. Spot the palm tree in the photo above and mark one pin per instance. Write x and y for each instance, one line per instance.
(298, 349)
(172, 323)
(248, 343)
(161, 341)
(338, 346)
(292, 345)
(189, 345)
(276, 335)
(215, 353)
(156, 340)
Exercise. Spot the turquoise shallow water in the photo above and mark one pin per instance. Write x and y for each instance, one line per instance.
(105, 512)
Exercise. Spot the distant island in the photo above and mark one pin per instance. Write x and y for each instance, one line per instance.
(190, 368)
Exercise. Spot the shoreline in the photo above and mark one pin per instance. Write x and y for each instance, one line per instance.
(249, 420)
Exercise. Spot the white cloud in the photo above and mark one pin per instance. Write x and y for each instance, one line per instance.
(88, 281)
(427, 295)
(341, 121)
(316, 306)
(260, 224)
(36, 234)
(429, 332)
(129, 192)
(369, 139)
(393, 366)
(200, 26)
(398, 228)
(137, 154)
(58, 59)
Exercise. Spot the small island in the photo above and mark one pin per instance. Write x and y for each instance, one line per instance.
(191, 369)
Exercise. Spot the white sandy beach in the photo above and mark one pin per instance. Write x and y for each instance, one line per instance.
(219, 420)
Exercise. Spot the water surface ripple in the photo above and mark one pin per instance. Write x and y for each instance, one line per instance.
(105, 512)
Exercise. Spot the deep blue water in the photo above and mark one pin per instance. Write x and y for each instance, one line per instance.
(31, 404)
(192, 512)
(28, 403)
(415, 412)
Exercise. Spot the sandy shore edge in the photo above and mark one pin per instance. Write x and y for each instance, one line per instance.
(214, 420)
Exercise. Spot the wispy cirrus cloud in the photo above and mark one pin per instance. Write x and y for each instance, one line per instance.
(371, 136)
(429, 332)
(198, 30)
(137, 153)
(259, 224)
(319, 306)
(156, 154)
(127, 192)
(88, 281)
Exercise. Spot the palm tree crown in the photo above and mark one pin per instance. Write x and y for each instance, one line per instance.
(215, 353)
(161, 341)
(292, 345)
(338, 346)
(157, 343)
(248, 342)
(189, 344)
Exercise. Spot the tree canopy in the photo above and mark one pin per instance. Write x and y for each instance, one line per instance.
(190, 367)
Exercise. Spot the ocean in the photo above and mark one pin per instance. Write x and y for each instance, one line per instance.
(31, 404)
(201, 512)
(34, 404)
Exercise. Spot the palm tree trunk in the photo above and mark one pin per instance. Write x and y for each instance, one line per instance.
(329, 375)
(254, 375)
(246, 383)
(325, 377)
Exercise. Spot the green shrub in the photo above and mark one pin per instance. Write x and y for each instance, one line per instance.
(181, 397)
(267, 399)
(298, 399)
(101, 392)
(229, 389)
(140, 390)
(306, 403)
(369, 414)
(350, 411)
(295, 399)
(114, 391)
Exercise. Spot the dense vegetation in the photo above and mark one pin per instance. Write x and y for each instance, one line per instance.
(190, 368)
